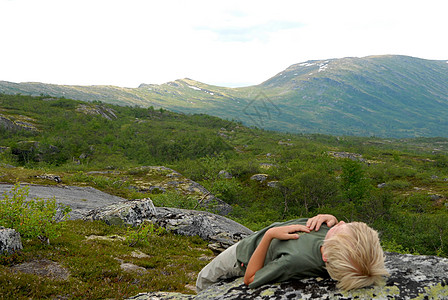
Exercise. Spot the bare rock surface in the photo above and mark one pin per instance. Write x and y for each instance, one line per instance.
(80, 199)
(43, 267)
(412, 277)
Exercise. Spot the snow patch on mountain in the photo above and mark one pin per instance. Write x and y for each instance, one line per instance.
(194, 88)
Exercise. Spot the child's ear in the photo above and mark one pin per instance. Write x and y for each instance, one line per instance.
(323, 256)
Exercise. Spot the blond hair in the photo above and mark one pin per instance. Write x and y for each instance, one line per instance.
(355, 257)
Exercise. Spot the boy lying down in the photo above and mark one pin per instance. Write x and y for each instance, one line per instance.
(316, 247)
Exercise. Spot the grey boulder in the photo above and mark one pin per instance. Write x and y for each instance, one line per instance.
(220, 231)
(10, 241)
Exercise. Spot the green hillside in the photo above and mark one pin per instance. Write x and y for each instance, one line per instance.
(384, 96)
(73, 137)
(398, 186)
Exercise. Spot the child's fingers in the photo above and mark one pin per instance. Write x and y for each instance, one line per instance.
(314, 223)
(295, 228)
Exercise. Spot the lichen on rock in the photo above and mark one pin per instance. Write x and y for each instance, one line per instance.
(411, 277)
(10, 241)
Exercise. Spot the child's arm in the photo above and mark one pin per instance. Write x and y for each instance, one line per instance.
(256, 261)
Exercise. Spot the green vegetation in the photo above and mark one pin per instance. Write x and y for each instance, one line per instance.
(93, 253)
(398, 186)
(34, 218)
(143, 233)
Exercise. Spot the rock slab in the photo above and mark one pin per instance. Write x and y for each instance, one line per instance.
(412, 277)
(10, 241)
(43, 267)
(220, 231)
(80, 199)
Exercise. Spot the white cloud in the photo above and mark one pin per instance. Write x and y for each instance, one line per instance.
(231, 42)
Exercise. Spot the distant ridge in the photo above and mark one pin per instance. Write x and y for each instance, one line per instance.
(384, 95)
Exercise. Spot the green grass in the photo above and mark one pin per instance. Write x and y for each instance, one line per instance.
(172, 265)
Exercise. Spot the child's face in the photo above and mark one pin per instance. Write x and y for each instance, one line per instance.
(341, 227)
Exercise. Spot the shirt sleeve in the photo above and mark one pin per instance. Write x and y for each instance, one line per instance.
(275, 271)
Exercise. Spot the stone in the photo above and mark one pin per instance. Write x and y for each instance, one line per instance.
(10, 241)
(220, 231)
(110, 238)
(285, 143)
(224, 174)
(343, 154)
(411, 277)
(259, 177)
(222, 134)
(100, 110)
(435, 197)
(132, 212)
(273, 184)
(50, 177)
(130, 267)
(139, 254)
(267, 166)
(43, 267)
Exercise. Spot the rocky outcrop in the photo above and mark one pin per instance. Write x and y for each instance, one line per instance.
(10, 241)
(100, 110)
(412, 277)
(342, 154)
(163, 179)
(220, 231)
(17, 122)
(259, 177)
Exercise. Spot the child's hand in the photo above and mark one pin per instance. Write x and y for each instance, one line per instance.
(316, 222)
(287, 232)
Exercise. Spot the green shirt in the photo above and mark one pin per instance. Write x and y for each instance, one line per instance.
(290, 259)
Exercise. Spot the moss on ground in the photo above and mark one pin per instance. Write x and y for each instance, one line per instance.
(166, 262)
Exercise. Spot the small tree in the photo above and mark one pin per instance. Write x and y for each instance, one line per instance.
(34, 218)
(354, 183)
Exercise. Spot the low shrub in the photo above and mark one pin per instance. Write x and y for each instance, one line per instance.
(141, 233)
(33, 218)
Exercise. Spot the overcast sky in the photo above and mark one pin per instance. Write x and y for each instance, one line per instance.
(227, 43)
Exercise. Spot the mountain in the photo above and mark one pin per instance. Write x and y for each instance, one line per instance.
(377, 95)
(385, 96)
